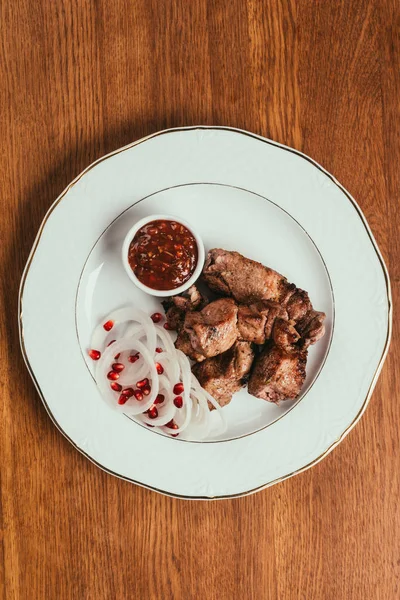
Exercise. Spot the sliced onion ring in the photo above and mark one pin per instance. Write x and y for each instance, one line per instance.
(135, 332)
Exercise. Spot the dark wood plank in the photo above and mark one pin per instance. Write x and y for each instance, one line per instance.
(78, 79)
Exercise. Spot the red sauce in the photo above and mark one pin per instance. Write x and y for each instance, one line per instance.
(163, 255)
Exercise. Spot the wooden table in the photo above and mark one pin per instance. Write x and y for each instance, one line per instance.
(79, 79)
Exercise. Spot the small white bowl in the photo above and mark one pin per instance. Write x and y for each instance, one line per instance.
(162, 293)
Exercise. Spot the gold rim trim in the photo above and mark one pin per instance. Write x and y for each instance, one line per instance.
(370, 235)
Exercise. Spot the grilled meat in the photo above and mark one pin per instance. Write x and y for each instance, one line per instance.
(231, 274)
(311, 328)
(297, 304)
(285, 335)
(213, 329)
(292, 322)
(255, 321)
(177, 306)
(182, 343)
(175, 317)
(278, 374)
(261, 307)
(225, 374)
(189, 300)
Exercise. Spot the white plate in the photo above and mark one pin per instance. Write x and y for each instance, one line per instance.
(241, 192)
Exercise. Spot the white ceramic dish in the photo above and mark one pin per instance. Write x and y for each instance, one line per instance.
(144, 288)
(245, 193)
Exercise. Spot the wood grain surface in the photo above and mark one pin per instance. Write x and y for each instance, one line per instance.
(79, 79)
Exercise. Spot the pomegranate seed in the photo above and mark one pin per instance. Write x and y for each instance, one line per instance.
(159, 350)
(112, 342)
(133, 358)
(171, 424)
(160, 399)
(113, 375)
(115, 386)
(152, 412)
(94, 354)
(178, 401)
(159, 369)
(142, 383)
(167, 327)
(174, 434)
(108, 325)
(128, 392)
(148, 425)
(146, 390)
(178, 388)
(138, 395)
(156, 317)
(118, 367)
(122, 399)
(116, 357)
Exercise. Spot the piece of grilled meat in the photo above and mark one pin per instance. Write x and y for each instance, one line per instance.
(177, 306)
(311, 328)
(285, 334)
(225, 374)
(218, 335)
(251, 283)
(212, 330)
(231, 274)
(182, 343)
(278, 374)
(297, 304)
(295, 318)
(256, 320)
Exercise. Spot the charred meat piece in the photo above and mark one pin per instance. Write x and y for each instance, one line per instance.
(255, 321)
(251, 324)
(189, 300)
(213, 329)
(285, 334)
(311, 328)
(175, 317)
(278, 374)
(309, 323)
(225, 374)
(231, 274)
(182, 343)
(298, 304)
(177, 306)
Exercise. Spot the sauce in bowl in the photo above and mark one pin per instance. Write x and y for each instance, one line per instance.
(163, 254)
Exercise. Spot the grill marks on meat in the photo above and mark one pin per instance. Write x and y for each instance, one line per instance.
(227, 373)
(278, 374)
(231, 274)
(213, 329)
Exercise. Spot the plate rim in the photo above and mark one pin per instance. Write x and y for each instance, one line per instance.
(270, 142)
